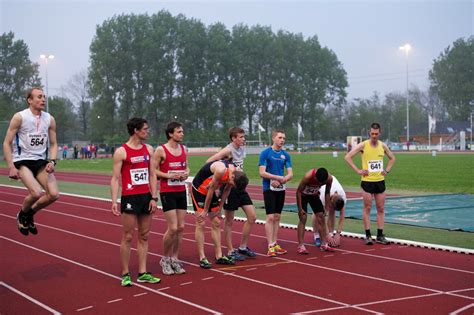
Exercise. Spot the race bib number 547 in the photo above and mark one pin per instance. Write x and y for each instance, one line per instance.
(375, 166)
(139, 176)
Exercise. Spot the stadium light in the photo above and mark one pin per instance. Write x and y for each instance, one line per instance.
(46, 58)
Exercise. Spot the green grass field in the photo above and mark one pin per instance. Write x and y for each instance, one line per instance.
(412, 174)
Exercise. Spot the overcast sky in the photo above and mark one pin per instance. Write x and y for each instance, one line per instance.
(365, 35)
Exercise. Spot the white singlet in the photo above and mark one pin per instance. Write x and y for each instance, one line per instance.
(32, 139)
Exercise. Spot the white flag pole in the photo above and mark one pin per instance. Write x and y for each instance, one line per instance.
(429, 133)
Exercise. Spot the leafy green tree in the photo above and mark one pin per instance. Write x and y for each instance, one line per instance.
(17, 74)
(66, 123)
(452, 78)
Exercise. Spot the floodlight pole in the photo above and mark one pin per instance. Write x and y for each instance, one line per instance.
(407, 48)
(46, 58)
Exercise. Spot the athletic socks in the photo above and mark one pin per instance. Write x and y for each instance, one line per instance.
(379, 232)
(368, 234)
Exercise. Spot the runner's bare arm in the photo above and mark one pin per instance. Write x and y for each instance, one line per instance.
(288, 176)
(223, 154)
(152, 178)
(391, 159)
(350, 155)
(53, 145)
(304, 181)
(13, 128)
(119, 157)
(264, 174)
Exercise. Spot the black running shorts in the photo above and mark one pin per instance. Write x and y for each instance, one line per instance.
(35, 166)
(373, 187)
(313, 201)
(237, 199)
(274, 201)
(199, 199)
(173, 200)
(136, 204)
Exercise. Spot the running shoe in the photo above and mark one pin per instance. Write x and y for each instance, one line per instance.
(31, 224)
(147, 277)
(326, 248)
(22, 221)
(225, 260)
(166, 267)
(126, 280)
(317, 241)
(236, 256)
(382, 240)
(247, 252)
(302, 250)
(271, 251)
(368, 240)
(279, 250)
(204, 263)
(177, 267)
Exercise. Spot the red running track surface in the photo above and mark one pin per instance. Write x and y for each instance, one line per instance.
(72, 266)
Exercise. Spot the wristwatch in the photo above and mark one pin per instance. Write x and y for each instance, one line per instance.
(155, 199)
(53, 161)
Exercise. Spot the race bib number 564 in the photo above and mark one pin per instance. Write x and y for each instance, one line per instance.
(139, 176)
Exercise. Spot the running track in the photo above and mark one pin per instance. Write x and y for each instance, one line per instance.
(72, 266)
(255, 191)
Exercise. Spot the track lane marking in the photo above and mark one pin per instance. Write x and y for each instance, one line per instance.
(110, 275)
(30, 298)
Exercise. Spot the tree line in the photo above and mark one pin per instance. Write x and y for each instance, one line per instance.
(164, 67)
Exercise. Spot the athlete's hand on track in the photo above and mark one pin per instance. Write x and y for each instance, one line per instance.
(334, 240)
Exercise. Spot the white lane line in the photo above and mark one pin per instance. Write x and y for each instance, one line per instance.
(385, 248)
(370, 250)
(186, 283)
(328, 256)
(111, 275)
(84, 308)
(208, 278)
(140, 294)
(29, 298)
(462, 309)
(311, 258)
(250, 269)
(113, 301)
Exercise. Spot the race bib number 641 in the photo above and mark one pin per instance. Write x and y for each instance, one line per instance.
(375, 166)
(139, 176)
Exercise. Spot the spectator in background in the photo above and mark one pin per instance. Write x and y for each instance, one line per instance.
(75, 152)
(65, 148)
